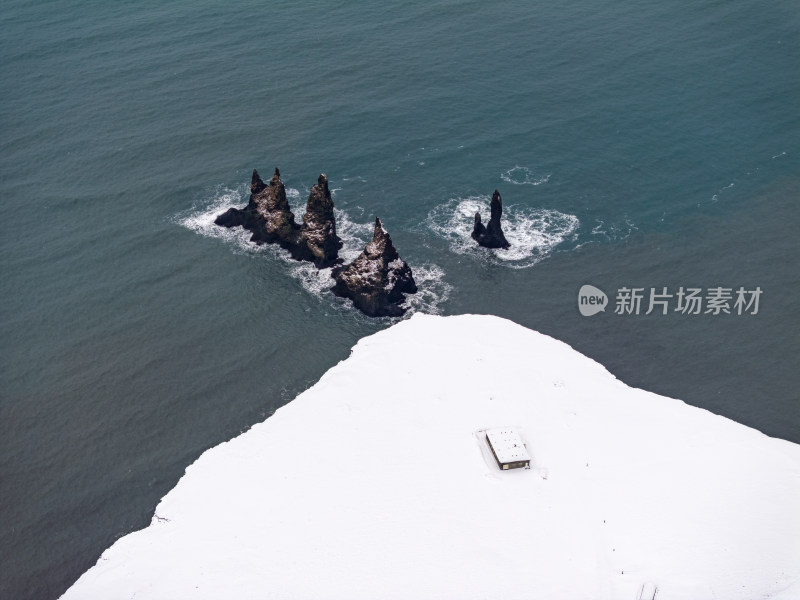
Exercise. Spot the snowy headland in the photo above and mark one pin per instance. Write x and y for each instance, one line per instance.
(377, 483)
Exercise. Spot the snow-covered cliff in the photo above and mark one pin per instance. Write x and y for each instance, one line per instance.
(376, 483)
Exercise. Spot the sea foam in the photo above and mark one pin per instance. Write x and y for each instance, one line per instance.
(523, 176)
(532, 232)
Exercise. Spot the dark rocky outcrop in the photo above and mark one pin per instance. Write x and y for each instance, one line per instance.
(243, 217)
(377, 279)
(273, 207)
(318, 240)
(491, 236)
(267, 215)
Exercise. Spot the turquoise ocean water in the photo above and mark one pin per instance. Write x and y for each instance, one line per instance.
(635, 144)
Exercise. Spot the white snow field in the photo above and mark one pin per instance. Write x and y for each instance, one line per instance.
(376, 483)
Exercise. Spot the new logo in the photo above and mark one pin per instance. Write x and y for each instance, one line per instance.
(591, 300)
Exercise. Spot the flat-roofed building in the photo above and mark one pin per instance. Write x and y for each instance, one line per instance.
(508, 448)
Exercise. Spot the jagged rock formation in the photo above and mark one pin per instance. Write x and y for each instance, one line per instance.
(245, 217)
(273, 207)
(491, 236)
(377, 279)
(269, 218)
(267, 214)
(318, 240)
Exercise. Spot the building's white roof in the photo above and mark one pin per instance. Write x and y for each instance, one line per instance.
(507, 444)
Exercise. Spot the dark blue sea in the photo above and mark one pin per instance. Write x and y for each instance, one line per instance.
(637, 145)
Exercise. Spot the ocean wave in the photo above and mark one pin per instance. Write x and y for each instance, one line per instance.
(200, 219)
(722, 190)
(433, 290)
(618, 231)
(293, 195)
(532, 232)
(523, 176)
